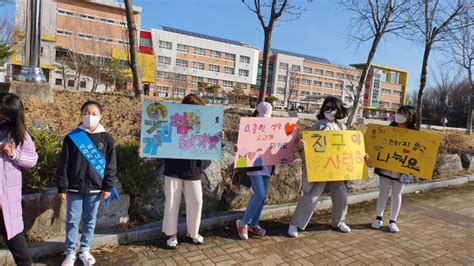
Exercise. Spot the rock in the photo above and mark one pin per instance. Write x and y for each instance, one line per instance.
(114, 214)
(40, 92)
(448, 164)
(467, 161)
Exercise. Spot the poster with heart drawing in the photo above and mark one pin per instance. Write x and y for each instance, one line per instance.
(266, 141)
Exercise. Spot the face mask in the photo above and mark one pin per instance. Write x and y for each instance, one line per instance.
(330, 115)
(90, 121)
(400, 119)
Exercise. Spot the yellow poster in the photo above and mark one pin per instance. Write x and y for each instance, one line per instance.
(402, 150)
(334, 155)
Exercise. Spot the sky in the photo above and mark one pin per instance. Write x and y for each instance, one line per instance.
(321, 31)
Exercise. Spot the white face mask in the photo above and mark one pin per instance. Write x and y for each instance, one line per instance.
(400, 119)
(330, 115)
(90, 121)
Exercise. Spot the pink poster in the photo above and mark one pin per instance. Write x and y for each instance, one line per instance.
(266, 141)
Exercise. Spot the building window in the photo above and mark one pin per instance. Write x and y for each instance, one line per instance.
(198, 65)
(183, 48)
(306, 82)
(307, 70)
(164, 60)
(330, 73)
(229, 70)
(395, 105)
(243, 86)
(196, 79)
(284, 66)
(199, 51)
(162, 90)
(180, 77)
(281, 91)
(339, 86)
(328, 85)
(245, 59)
(243, 72)
(181, 63)
(230, 57)
(214, 68)
(397, 93)
(166, 45)
(228, 84)
(295, 68)
(317, 83)
(83, 84)
(215, 54)
(179, 92)
(212, 81)
(318, 72)
(304, 93)
(162, 75)
(281, 78)
(350, 77)
(386, 91)
(71, 83)
(59, 82)
(340, 75)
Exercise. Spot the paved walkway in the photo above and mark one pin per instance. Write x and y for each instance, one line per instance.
(437, 227)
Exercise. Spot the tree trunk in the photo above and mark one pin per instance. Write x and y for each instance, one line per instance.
(265, 61)
(132, 35)
(363, 77)
(470, 115)
(424, 72)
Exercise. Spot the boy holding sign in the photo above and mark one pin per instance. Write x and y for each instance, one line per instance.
(331, 110)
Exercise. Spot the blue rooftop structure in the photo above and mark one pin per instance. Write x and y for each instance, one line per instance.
(308, 57)
(202, 36)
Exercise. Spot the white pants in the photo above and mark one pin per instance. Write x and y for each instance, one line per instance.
(192, 189)
(387, 184)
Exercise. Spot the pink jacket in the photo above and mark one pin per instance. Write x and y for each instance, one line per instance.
(10, 185)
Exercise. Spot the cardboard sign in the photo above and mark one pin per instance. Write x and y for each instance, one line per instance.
(402, 150)
(334, 155)
(181, 131)
(266, 141)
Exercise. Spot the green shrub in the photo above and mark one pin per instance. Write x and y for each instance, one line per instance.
(48, 147)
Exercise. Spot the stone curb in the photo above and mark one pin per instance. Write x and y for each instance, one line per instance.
(152, 231)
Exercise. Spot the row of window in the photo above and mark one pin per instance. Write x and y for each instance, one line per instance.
(199, 65)
(390, 92)
(201, 51)
(316, 83)
(90, 37)
(91, 17)
(309, 70)
(194, 79)
(389, 105)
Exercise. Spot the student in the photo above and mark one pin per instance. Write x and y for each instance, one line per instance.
(392, 181)
(331, 111)
(17, 151)
(80, 184)
(259, 178)
(183, 176)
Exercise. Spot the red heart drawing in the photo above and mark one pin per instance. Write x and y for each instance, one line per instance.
(406, 151)
(289, 128)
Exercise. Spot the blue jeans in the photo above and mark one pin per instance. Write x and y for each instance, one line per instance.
(255, 206)
(87, 206)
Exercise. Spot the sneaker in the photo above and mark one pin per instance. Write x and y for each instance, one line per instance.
(243, 230)
(69, 260)
(257, 230)
(377, 224)
(293, 230)
(393, 228)
(86, 258)
(199, 240)
(172, 243)
(344, 228)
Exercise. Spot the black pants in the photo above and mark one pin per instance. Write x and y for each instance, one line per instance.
(17, 245)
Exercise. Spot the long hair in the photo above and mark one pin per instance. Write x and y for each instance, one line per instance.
(12, 109)
(334, 103)
(192, 99)
(410, 112)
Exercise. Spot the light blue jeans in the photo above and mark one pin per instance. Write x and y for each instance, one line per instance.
(81, 205)
(255, 206)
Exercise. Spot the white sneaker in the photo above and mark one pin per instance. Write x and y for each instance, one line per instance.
(293, 230)
(86, 258)
(69, 260)
(172, 243)
(377, 224)
(344, 228)
(393, 228)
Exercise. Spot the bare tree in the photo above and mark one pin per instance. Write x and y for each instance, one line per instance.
(461, 52)
(292, 86)
(133, 40)
(178, 81)
(275, 10)
(6, 38)
(432, 21)
(371, 20)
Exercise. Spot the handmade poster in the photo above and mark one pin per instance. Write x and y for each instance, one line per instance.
(334, 155)
(266, 141)
(181, 131)
(402, 150)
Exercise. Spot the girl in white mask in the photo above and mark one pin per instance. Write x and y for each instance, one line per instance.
(392, 181)
(331, 110)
